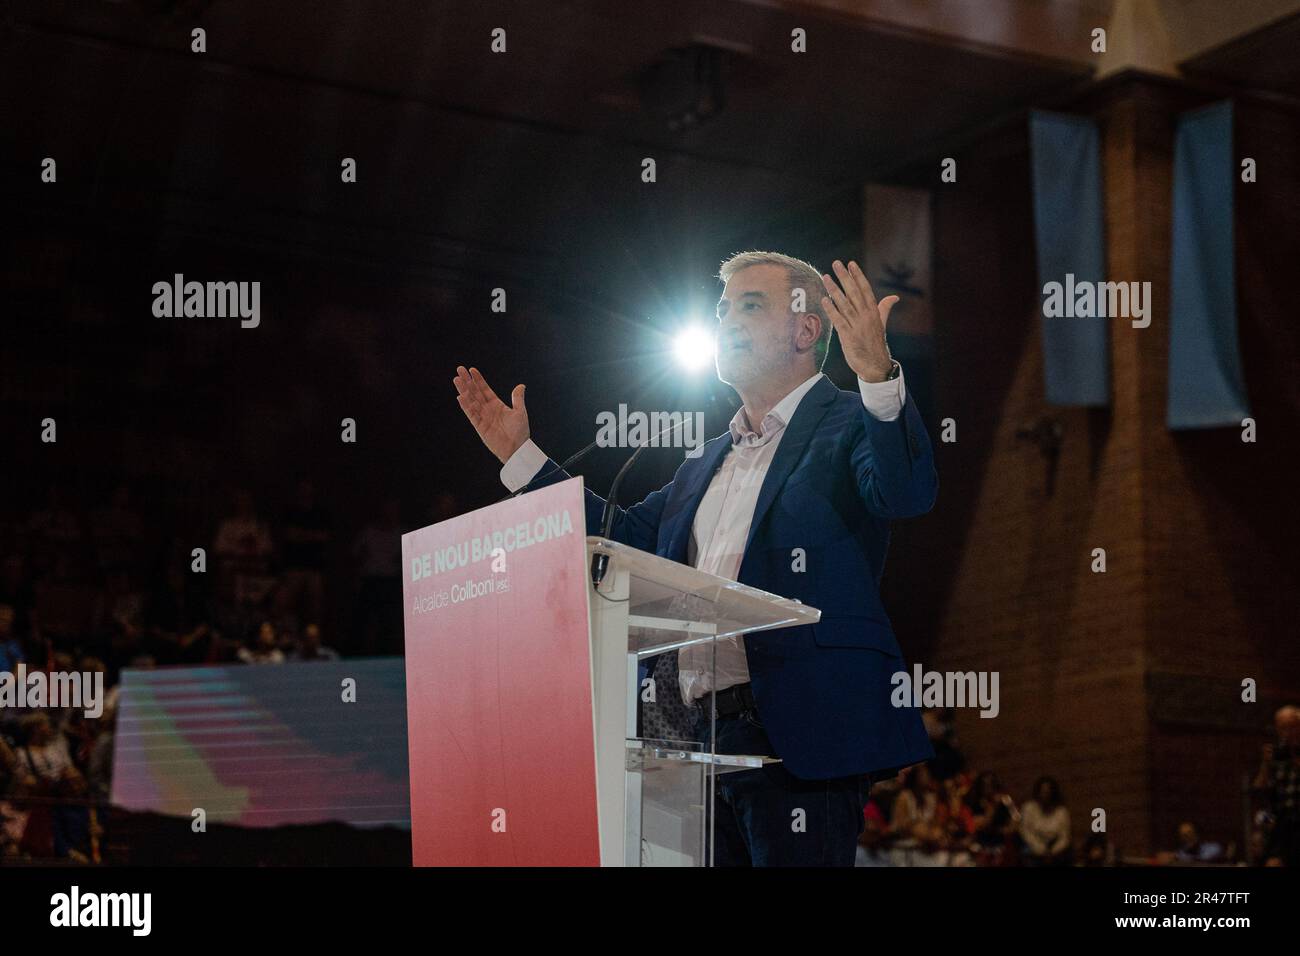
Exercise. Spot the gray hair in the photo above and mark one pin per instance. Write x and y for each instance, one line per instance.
(802, 276)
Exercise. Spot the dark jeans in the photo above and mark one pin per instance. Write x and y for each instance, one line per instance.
(769, 817)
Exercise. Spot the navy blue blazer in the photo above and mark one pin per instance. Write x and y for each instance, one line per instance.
(838, 477)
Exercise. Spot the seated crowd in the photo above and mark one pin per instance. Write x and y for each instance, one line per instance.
(941, 814)
(105, 590)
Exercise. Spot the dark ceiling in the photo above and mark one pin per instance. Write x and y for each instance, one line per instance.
(464, 153)
(475, 170)
(1264, 61)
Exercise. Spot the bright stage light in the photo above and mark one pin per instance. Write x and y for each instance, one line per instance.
(693, 348)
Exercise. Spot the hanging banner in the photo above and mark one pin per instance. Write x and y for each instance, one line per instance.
(896, 223)
(1069, 237)
(1206, 385)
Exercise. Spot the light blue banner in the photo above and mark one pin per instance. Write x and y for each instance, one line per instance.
(1066, 156)
(1206, 385)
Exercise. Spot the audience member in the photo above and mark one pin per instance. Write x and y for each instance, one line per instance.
(309, 647)
(263, 649)
(1191, 849)
(243, 550)
(378, 553)
(1045, 825)
(917, 829)
(1277, 782)
(995, 821)
(305, 536)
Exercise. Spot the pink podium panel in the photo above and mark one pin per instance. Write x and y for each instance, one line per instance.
(498, 686)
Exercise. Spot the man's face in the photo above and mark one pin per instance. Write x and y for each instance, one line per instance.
(756, 330)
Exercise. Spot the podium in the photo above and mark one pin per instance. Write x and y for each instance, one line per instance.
(524, 691)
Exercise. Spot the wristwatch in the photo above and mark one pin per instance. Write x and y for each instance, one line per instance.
(894, 372)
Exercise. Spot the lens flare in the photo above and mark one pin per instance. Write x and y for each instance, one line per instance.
(693, 348)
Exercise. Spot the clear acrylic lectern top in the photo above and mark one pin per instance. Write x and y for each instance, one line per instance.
(672, 605)
(647, 606)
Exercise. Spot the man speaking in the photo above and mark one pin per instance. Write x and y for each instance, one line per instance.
(795, 498)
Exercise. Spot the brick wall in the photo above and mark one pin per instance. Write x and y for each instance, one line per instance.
(1098, 670)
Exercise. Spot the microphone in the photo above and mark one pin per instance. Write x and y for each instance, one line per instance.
(572, 459)
(600, 561)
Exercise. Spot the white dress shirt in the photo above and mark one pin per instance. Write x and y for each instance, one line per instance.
(721, 526)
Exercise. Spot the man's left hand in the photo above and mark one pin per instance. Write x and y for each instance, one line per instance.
(860, 321)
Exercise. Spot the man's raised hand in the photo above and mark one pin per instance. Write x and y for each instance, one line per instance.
(860, 321)
(502, 427)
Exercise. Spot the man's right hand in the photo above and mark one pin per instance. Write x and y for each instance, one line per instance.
(502, 427)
